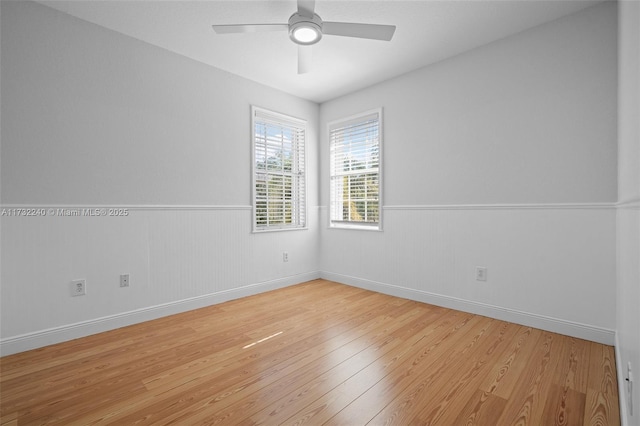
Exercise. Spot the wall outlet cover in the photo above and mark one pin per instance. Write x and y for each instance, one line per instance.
(481, 273)
(124, 280)
(78, 287)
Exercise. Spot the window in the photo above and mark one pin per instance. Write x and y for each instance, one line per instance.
(279, 176)
(355, 161)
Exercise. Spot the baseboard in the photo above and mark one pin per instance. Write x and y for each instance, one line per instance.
(38, 339)
(55, 335)
(622, 383)
(569, 328)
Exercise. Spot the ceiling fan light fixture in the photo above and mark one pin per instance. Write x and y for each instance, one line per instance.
(305, 35)
(304, 30)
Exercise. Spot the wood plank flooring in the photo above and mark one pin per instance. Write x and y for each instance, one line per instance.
(315, 353)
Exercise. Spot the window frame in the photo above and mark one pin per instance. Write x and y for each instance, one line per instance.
(262, 115)
(342, 123)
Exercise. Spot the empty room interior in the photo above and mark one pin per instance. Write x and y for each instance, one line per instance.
(320, 212)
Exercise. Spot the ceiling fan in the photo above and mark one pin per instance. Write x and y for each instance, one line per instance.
(307, 28)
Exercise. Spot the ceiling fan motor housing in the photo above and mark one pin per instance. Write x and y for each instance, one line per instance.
(305, 30)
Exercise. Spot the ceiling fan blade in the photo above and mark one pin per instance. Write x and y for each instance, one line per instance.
(306, 7)
(347, 29)
(249, 28)
(304, 59)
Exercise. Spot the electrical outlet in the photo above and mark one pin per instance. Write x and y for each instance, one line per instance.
(481, 273)
(78, 287)
(629, 389)
(124, 280)
(285, 256)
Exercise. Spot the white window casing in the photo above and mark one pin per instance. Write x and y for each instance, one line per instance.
(278, 171)
(355, 188)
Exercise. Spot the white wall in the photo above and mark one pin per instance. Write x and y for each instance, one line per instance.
(95, 118)
(628, 265)
(503, 157)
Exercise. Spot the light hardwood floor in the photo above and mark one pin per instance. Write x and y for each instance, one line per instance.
(315, 353)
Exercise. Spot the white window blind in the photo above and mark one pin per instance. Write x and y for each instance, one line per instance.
(279, 176)
(355, 162)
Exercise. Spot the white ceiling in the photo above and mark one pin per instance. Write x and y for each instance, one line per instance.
(427, 31)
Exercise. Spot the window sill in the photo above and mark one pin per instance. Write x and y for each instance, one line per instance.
(266, 231)
(355, 227)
